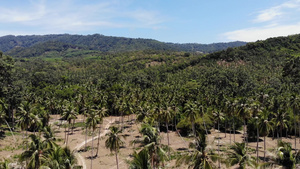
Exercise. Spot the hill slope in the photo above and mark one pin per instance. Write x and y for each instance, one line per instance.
(11, 44)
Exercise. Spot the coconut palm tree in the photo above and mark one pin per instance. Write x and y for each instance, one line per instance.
(295, 105)
(101, 114)
(151, 141)
(201, 157)
(284, 156)
(167, 115)
(49, 137)
(140, 160)
(55, 158)
(69, 114)
(191, 112)
(91, 122)
(264, 126)
(280, 120)
(238, 155)
(24, 116)
(114, 142)
(35, 154)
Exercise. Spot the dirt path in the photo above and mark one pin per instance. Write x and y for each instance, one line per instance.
(81, 160)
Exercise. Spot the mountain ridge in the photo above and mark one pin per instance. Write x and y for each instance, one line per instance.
(15, 45)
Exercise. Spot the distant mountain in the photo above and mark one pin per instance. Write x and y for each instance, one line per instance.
(37, 45)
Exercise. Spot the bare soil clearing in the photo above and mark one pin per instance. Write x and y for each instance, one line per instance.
(105, 159)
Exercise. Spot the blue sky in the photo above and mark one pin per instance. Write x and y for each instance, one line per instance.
(178, 21)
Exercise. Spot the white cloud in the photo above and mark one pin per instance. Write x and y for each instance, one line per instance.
(262, 33)
(280, 20)
(276, 12)
(67, 16)
(268, 15)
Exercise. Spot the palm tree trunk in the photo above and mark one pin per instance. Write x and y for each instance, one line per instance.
(299, 130)
(219, 144)
(73, 126)
(281, 131)
(205, 127)
(225, 126)
(167, 125)
(92, 149)
(85, 136)
(98, 144)
(65, 134)
(264, 148)
(257, 140)
(295, 134)
(117, 160)
(244, 128)
(233, 130)
(193, 128)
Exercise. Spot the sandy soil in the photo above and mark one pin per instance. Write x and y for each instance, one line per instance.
(105, 159)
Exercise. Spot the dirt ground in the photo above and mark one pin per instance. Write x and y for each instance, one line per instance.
(10, 146)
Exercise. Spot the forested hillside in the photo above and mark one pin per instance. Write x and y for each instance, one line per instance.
(249, 85)
(35, 45)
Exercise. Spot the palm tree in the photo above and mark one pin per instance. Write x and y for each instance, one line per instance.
(55, 158)
(24, 116)
(69, 114)
(239, 155)
(140, 160)
(101, 114)
(280, 120)
(49, 137)
(167, 115)
(91, 122)
(200, 158)
(151, 141)
(35, 153)
(114, 142)
(190, 111)
(295, 104)
(285, 156)
(219, 116)
(264, 126)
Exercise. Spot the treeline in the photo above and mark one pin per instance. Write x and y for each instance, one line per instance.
(35, 45)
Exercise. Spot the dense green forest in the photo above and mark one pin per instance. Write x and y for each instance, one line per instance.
(254, 85)
(33, 46)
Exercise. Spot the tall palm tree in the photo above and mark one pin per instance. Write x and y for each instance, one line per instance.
(264, 126)
(69, 114)
(218, 116)
(92, 121)
(101, 114)
(167, 115)
(295, 105)
(114, 142)
(280, 120)
(191, 113)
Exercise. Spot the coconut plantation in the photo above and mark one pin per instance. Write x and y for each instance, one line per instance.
(68, 102)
